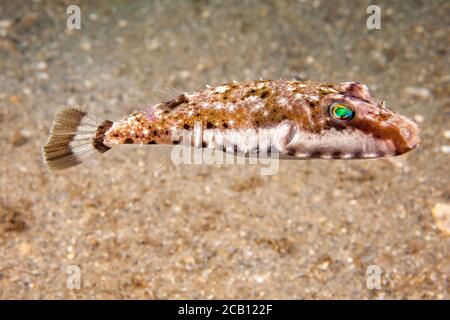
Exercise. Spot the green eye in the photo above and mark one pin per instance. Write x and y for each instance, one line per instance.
(341, 112)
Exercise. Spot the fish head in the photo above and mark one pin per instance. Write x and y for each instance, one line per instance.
(363, 127)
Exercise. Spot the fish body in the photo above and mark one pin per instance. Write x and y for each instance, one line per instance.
(297, 119)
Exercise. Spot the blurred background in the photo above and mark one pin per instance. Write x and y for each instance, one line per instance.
(131, 229)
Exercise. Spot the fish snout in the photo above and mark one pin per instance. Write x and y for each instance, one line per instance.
(410, 133)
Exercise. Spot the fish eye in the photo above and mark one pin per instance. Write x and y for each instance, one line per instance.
(341, 112)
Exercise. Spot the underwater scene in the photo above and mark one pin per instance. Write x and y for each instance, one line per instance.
(224, 149)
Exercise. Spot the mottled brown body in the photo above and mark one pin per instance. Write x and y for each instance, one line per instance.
(296, 111)
(255, 104)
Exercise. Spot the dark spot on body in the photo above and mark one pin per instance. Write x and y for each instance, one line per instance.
(100, 136)
(336, 155)
(209, 125)
(152, 142)
(316, 154)
(264, 94)
(249, 93)
(204, 144)
(186, 126)
(128, 141)
(180, 139)
(291, 152)
(384, 116)
(357, 154)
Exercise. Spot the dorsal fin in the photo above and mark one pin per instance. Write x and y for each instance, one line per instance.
(165, 93)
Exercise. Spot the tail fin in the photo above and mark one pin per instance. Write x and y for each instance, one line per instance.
(75, 136)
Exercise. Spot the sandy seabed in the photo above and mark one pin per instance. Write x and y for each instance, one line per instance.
(135, 228)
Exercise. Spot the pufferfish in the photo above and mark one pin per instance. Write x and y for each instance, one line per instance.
(300, 119)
